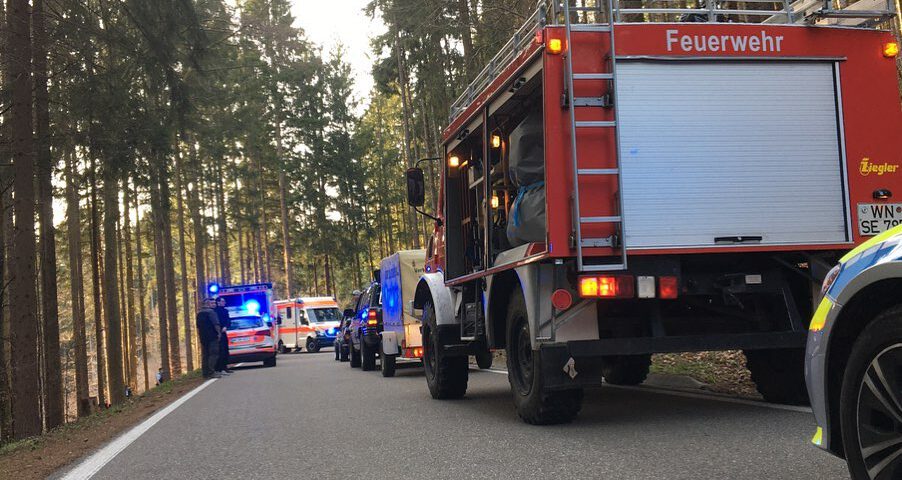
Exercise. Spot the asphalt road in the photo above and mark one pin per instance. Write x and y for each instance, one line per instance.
(312, 417)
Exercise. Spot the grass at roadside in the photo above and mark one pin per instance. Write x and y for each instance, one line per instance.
(39, 457)
(722, 372)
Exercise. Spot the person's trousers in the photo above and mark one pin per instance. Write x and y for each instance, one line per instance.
(223, 361)
(209, 356)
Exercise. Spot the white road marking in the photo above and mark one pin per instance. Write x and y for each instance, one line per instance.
(91, 465)
(701, 396)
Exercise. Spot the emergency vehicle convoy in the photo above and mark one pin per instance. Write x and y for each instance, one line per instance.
(401, 336)
(679, 179)
(252, 331)
(311, 322)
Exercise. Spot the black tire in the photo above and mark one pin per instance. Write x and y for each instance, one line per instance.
(865, 420)
(779, 374)
(270, 362)
(388, 364)
(355, 356)
(484, 360)
(534, 405)
(343, 352)
(626, 369)
(367, 357)
(312, 345)
(446, 376)
(282, 348)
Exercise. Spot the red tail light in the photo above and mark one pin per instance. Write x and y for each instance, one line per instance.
(372, 317)
(607, 286)
(668, 288)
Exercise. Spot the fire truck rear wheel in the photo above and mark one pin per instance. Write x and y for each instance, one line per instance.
(312, 345)
(446, 375)
(626, 369)
(367, 357)
(355, 356)
(779, 374)
(388, 364)
(534, 405)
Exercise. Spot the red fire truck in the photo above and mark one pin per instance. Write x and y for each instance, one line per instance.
(674, 180)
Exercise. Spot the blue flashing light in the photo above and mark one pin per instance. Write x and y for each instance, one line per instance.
(332, 331)
(252, 306)
(213, 288)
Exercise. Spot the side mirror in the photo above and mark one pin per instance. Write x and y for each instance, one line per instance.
(416, 187)
(349, 312)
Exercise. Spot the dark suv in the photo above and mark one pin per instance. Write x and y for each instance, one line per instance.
(366, 327)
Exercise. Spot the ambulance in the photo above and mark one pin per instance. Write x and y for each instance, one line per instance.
(401, 337)
(308, 322)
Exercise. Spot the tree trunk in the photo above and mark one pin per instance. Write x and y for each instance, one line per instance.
(130, 292)
(224, 261)
(26, 407)
(200, 241)
(77, 289)
(466, 37)
(408, 161)
(53, 380)
(160, 270)
(5, 230)
(111, 306)
(286, 234)
(139, 253)
(123, 302)
(95, 283)
(183, 261)
(175, 356)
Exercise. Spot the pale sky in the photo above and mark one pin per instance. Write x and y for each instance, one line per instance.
(330, 22)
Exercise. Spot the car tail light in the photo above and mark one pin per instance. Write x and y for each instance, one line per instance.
(607, 286)
(418, 352)
(668, 288)
(372, 318)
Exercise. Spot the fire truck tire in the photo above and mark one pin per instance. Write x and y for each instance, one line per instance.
(446, 376)
(534, 405)
(312, 345)
(626, 369)
(355, 356)
(367, 357)
(388, 364)
(779, 374)
(270, 362)
(484, 360)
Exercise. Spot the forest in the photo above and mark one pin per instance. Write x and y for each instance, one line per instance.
(151, 147)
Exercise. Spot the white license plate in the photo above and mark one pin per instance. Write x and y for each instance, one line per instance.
(242, 339)
(876, 218)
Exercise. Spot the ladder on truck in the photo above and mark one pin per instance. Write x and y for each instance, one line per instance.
(579, 172)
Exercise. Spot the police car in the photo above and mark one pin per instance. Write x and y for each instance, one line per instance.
(251, 336)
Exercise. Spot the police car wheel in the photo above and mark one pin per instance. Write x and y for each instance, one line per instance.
(355, 356)
(871, 400)
(367, 357)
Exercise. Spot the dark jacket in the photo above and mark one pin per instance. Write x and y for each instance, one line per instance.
(223, 316)
(207, 323)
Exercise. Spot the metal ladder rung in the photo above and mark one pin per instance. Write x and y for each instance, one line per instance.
(613, 219)
(598, 171)
(598, 242)
(596, 124)
(590, 28)
(591, 102)
(606, 267)
(593, 76)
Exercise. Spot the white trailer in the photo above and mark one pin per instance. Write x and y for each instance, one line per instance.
(401, 335)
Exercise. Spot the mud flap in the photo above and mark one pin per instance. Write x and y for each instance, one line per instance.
(560, 371)
(390, 343)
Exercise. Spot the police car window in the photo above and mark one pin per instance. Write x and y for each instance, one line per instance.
(319, 315)
(240, 323)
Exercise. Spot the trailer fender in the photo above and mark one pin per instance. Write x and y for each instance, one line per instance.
(432, 287)
(390, 343)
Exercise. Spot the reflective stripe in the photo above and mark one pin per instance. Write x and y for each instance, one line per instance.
(820, 315)
(818, 438)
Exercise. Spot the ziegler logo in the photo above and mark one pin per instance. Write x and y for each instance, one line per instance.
(868, 168)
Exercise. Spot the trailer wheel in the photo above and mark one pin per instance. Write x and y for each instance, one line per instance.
(446, 376)
(779, 374)
(368, 357)
(484, 360)
(312, 345)
(388, 364)
(534, 405)
(626, 369)
(355, 356)
(270, 362)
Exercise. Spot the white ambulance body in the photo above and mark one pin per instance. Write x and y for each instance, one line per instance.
(307, 322)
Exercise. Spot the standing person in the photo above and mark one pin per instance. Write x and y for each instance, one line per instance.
(222, 366)
(208, 329)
